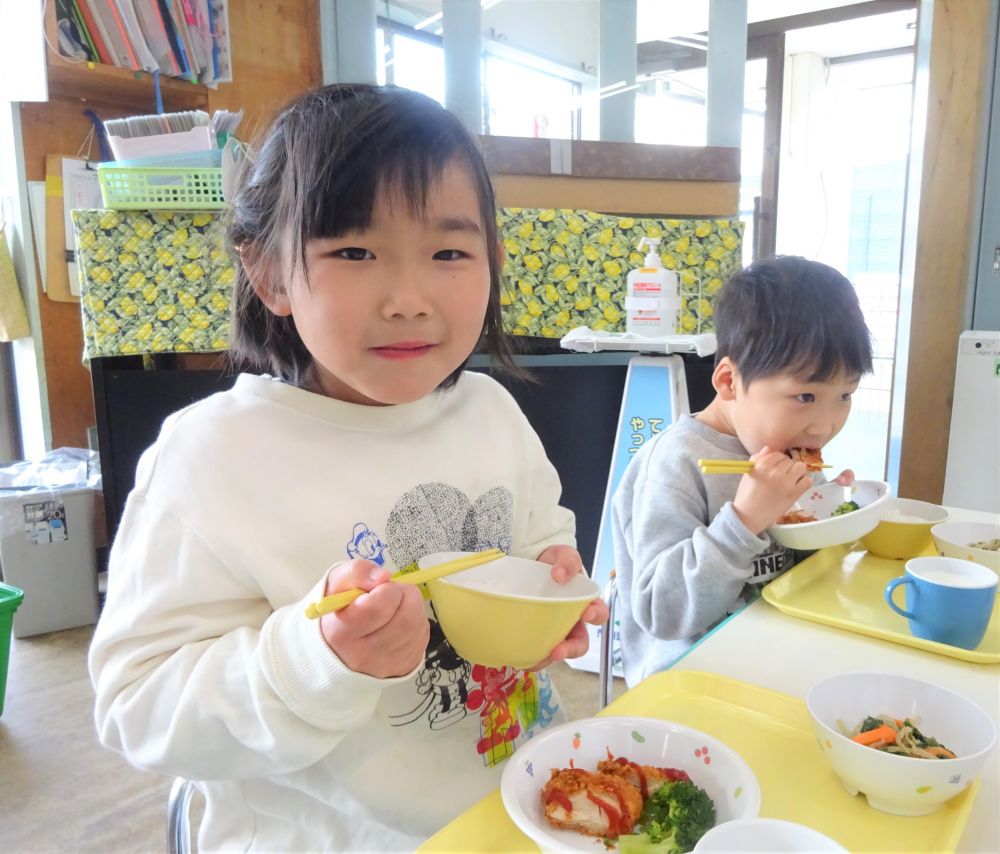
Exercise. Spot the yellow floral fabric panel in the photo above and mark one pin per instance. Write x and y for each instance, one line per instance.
(567, 268)
(161, 281)
(153, 282)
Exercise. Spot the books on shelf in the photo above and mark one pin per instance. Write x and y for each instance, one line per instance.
(179, 38)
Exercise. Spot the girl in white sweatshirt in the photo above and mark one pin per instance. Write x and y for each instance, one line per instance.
(368, 272)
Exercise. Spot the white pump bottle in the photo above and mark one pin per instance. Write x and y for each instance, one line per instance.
(652, 301)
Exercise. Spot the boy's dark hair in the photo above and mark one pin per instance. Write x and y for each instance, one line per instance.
(318, 173)
(788, 315)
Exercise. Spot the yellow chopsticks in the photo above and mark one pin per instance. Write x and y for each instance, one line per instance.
(734, 466)
(725, 466)
(336, 601)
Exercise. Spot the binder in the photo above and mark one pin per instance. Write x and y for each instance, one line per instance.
(95, 28)
(126, 13)
(176, 45)
(120, 45)
(151, 25)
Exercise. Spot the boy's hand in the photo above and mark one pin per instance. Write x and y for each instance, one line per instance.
(845, 478)
(773, 485)
(382, 633)
(566, 562)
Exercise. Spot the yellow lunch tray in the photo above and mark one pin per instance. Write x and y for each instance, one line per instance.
(843, 588)
(773, 733)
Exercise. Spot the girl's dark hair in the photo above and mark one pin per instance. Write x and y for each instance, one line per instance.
(318, 173)
(787, 315)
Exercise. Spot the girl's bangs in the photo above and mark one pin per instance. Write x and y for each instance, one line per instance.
(401, 176)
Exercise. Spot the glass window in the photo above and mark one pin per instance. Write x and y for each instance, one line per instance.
(524, 101)
(853, 203)
(672, 110)
(520, 100)
(419, 65)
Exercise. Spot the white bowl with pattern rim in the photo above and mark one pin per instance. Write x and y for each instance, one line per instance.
(902, 785)
(716, 768)
(829, 530)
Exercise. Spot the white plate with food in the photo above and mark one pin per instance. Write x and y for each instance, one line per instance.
(830, 515)
(600, 782)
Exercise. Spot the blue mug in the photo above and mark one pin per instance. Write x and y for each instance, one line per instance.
(948, 600)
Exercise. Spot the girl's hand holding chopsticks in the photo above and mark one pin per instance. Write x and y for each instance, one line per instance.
(383, 633)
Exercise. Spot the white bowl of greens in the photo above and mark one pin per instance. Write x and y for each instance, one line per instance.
(940, 741)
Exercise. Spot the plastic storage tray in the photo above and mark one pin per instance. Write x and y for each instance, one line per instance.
(161, 188)
(773, 733)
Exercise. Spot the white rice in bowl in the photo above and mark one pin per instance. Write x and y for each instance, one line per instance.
(896, 516)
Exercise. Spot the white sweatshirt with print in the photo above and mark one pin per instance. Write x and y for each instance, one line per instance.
(205, 666)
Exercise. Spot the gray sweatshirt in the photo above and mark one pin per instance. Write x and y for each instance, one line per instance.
(683, 558)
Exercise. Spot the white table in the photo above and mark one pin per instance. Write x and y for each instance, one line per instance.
(765, 647)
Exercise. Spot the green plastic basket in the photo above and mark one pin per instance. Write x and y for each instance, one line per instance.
(130, 188)
(10, 598)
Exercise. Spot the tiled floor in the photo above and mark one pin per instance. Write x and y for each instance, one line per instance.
(60, 791)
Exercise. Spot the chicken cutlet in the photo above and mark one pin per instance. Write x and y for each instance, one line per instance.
(646, 778)
(590, 802)
(812, 457)
(795, 517)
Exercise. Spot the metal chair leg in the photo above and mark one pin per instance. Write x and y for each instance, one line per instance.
(606, 672)
(179, 816)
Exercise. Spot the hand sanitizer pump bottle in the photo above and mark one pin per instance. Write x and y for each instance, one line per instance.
(652, 301)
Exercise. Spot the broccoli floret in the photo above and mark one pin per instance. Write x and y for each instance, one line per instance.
(846, 507)
(677, 815)
(641, 843)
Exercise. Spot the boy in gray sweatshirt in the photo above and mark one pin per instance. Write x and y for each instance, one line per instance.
(692, 548)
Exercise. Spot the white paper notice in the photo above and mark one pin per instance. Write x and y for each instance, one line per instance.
(81, 190)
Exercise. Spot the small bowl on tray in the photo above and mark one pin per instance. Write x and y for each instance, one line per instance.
(894, 783)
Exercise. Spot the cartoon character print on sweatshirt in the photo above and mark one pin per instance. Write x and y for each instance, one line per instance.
(366, 545)
(443, 685)
(437, 517)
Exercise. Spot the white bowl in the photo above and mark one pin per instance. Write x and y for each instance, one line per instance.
(829, 530)
(764, 834)
(900, 784)
(952, 540)
(719, 770)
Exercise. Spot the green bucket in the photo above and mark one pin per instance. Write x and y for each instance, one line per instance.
(10, 598)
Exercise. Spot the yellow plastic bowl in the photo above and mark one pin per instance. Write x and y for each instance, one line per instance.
(509, 612)
(900, 539)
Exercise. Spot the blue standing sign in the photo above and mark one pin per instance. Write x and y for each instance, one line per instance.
(655, 395)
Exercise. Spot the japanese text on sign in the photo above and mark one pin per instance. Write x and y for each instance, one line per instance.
(639, 427)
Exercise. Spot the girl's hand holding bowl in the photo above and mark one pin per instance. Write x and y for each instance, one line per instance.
(566, 562)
